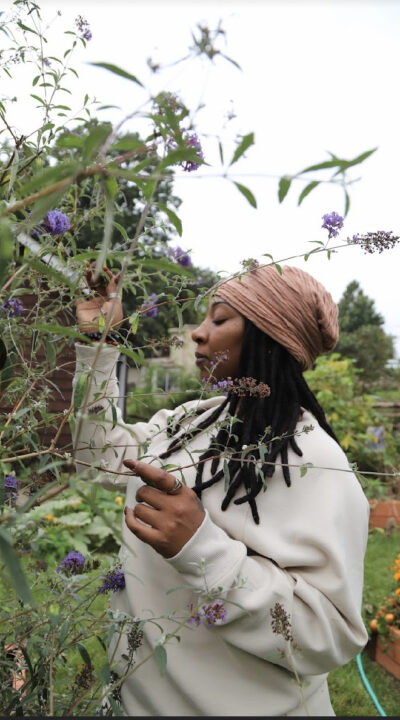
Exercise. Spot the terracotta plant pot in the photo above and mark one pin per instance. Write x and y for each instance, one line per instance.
(384, 513)
(387, 652)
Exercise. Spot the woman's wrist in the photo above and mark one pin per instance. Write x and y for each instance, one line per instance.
(111, 338)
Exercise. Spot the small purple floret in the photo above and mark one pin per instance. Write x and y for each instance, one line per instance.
(180, 256)
(73, 562)
(192, 141)
(87, 35)
(214, 613)
(12, 308)
(10, 487)
(148, 307)
(114, 580)
(333, 223)
(56, 223)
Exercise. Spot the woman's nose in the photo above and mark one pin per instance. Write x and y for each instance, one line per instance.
(199, 334)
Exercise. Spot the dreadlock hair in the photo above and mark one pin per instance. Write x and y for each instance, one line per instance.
(267, 422)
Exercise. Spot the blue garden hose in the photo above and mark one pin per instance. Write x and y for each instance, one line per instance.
(368, 686)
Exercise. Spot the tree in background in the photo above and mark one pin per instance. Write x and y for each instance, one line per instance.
(362, 337)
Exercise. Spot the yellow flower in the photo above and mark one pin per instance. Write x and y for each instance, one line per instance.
(50, 518)
(397, 592)
(76, 503)
(119, 500)
(397, 575)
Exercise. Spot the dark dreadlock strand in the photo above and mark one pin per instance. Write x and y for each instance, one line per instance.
(270, 421)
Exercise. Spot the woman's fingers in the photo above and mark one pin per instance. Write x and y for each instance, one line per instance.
(157, 477)
(147, 534)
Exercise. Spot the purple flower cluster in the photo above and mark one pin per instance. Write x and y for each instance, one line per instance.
(375, 241)
(10, 487)
(224, 385)
(56, 223)
(73, 563)
(83, 27)
(149, 308)
(333, 223)
(114, 580)
(180, 256)
(214, 613)
(12, 308)
(192, 141)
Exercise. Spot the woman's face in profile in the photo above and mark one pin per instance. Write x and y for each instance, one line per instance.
(219, 341)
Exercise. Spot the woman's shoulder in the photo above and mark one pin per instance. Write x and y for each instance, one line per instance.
(315, 442)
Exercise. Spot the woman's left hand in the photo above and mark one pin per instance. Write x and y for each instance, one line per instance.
(171, 519)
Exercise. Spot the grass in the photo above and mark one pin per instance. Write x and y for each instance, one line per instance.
(349, 695)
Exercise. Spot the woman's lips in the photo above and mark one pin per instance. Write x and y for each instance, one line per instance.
(201, 359)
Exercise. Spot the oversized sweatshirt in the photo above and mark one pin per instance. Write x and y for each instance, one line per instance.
(304, 558)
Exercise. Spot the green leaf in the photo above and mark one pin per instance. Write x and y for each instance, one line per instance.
(347, 202)
(12, 563)
(284, 185)
(244, 144)
(6, 246)
(114, 416)
(80, 391)
(84, 654)
(101, 323)
(122, 231)
(43, 268)
(50, 175)
(304, 468)
(247, 193)
(39, 99)
(227, 477)
(104, 674)
(117, 71)
(307, 190)
(26, 28)
(134, 322)
(175, 220)
(3, 354)
(278, 267)
(160, 656)
(93, 142)
(74, 141)
(236, 64)
(221, 152)
(137, 357)
(107, 235)
(61, 330)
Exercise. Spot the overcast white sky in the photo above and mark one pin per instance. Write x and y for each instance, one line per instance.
(316, 76)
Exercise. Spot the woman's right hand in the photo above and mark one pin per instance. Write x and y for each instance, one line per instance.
(100, 304)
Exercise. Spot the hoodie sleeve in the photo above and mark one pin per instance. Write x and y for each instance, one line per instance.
(295, 598)
(100, 436)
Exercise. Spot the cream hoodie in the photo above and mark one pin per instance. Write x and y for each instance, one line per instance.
(306, 554)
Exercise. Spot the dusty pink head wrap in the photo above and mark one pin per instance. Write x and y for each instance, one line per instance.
(292, 308)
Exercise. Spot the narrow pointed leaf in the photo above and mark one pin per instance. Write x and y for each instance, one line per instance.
(12, 563)
(117, 71)
(306, 191)
(283, 188)
(247, 193)
(244, 144)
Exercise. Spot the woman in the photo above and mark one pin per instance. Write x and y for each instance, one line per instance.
(282, 546)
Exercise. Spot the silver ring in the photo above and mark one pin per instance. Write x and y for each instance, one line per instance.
(110, 296)
(176, 488)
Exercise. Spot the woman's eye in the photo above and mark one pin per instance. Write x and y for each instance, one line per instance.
(219, 321)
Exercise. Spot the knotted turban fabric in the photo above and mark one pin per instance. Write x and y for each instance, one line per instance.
(292, 308)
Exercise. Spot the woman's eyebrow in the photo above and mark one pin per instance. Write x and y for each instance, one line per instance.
(219, 302)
